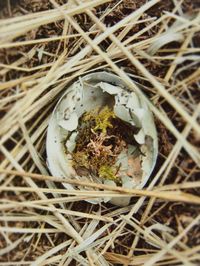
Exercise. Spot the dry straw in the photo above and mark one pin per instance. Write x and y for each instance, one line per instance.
(155, 54)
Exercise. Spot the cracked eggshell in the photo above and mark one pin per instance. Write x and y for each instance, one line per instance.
(71, 142)
(89, 92)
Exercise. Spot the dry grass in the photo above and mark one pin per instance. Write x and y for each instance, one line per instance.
(154, 47)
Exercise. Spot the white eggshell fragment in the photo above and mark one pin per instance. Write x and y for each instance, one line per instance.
(71, 142)
(109, 88)
(123, 113)
(70, 123)
(94, 91)
(133, 101)
(140, 136)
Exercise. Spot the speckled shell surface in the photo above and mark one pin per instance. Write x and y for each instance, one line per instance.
(87, 93)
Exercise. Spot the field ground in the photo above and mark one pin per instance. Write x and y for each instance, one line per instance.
(154, 46)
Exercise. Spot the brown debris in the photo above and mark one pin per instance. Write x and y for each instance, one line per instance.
(126, 239)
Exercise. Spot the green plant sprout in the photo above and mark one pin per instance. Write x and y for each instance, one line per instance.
(102, 119)
(107, 172)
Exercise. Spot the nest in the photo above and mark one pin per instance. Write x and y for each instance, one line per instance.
(153, 47)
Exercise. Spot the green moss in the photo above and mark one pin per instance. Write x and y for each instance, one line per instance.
(101, 120)
(101, 138)
(107, 172)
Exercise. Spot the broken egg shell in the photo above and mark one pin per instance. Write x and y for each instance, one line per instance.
(89, 92)
(71, 142)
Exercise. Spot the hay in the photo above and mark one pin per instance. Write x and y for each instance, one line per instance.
(154, 47)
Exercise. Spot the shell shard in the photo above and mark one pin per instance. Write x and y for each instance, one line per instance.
(102, 132)
(123, 113)
(70, 122)
(140, 136)
(71, 142)
(109, 88)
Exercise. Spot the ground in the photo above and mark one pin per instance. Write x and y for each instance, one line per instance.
(44, 47)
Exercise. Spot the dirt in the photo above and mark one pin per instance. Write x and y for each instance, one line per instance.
(174, 215)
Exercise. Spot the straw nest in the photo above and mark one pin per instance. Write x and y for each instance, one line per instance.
(153, 46)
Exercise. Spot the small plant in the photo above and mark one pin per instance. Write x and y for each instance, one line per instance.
(97, 147)
(107, 172)
(101, 118)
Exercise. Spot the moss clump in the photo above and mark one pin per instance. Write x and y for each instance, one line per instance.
(101, 138)
(107, 172)
(101, 119)
(81, 158)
